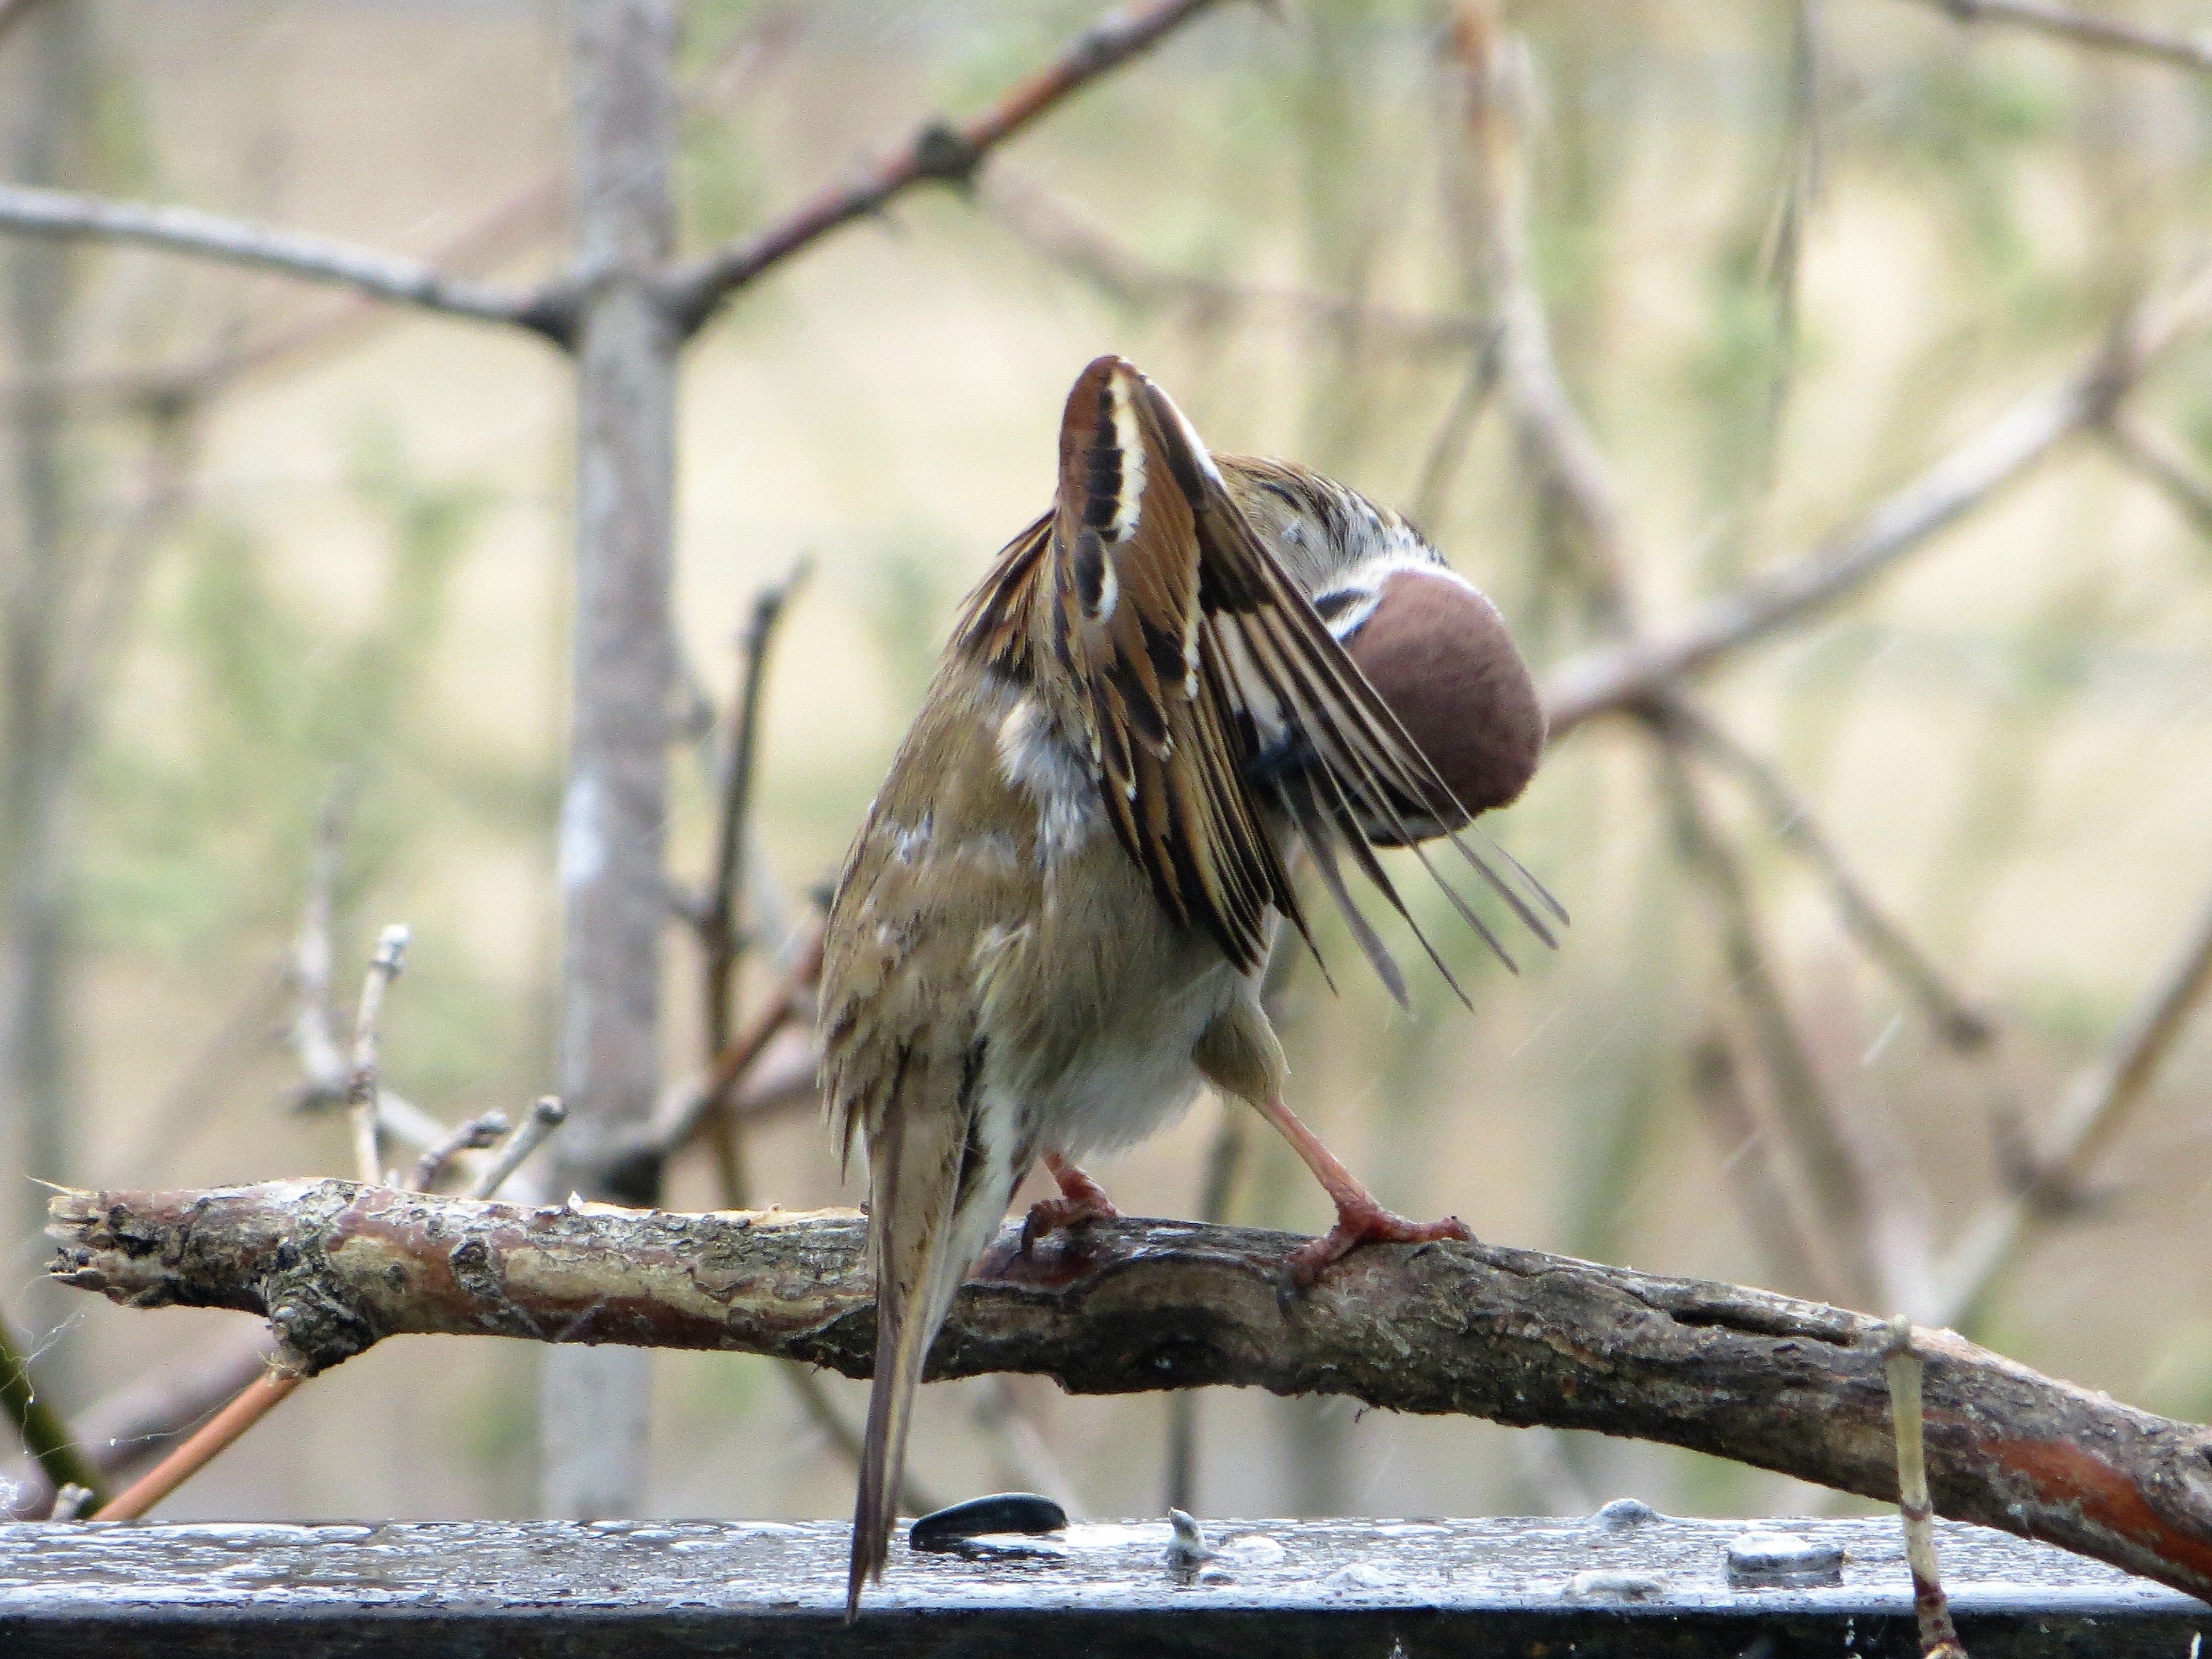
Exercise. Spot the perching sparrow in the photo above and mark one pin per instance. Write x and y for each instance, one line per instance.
(1050, 929)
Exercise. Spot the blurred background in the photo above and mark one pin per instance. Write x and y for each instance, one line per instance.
(1791, 254)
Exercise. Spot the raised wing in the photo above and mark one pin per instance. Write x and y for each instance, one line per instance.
(1213, 698)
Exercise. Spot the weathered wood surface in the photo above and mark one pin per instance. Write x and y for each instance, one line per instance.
(1515, 1335)
(1623, 1582)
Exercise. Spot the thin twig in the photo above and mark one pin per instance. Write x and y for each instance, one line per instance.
(360, 1082)
(2091, 1115)
(252, 1403)
(722, 927)
(2081, 28)
(1620, 678)
(547, 1115)
(45, 1435)
(1049, 226)
(1939, 1638)
(1958, 1022)
(486, 1129)
(941, 152)
(56, 213)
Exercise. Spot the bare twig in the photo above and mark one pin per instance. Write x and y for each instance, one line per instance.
(486, 1129)
(547, 1115)
(941, 152)
(186, 230)
(360, 1082)
(721, 929)
(1618, 678)
(1955, 1020)
(2165, 464)
(1939, 1638)
(1055, 230)
(1746, 1374)
(45, 1435)
(2081, 28)
(2095, 1109)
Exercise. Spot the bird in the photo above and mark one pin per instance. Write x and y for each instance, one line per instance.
(1190, 674)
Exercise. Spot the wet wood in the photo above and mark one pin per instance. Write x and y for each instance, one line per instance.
(1623, 1582)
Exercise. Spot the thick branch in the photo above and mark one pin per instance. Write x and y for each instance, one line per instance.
(941, 151)
(1514, 1335)
(2081, 28)
(317, 258)
(1609, 680)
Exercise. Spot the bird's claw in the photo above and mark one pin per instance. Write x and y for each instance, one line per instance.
(1051, 1214)
(1357, 1223)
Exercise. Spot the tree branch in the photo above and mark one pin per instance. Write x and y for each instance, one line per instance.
(1956, 1020)
(1515, 1335)
(2082, 28)
(940, 152)
(293, 253)
(1057, 234)
(1618, 678)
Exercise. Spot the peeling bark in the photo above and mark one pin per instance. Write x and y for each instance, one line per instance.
(1517, 1336)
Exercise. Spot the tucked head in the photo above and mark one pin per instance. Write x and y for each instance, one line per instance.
(1426, 638)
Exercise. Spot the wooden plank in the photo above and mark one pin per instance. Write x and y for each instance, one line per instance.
(1622, 1581)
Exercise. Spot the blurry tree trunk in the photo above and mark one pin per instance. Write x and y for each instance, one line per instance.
(54, 90)
(592, 1428)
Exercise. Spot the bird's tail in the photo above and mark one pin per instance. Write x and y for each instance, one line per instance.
(937, 1191)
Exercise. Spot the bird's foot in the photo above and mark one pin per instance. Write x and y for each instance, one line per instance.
(1358, 1221)
(1081, 1199)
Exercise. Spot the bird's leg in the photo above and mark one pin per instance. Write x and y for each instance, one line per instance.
(1081, 1199)
(1358, 1215)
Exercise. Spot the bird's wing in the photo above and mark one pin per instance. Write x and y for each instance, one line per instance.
(927, 919)
(1196, 653)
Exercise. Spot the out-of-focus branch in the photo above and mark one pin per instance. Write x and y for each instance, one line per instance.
(1801, 1098)
(1955, 1020)
(2094, 1109)
(721, 928)
(1774, 1210)
(1515, 1335)
(942, 151)
(361, 1078)
(1618, 678)
(56, 213)
(1570, 471)
(2164, 463)
(2082, 28)
(13, 12)
(1055, 231)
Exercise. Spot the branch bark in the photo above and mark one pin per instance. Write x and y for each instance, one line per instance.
(941, 152)
(1614, 678)
(1514, 1335)
(293, 253)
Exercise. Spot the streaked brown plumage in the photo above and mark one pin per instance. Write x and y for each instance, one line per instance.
(1050, 930)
